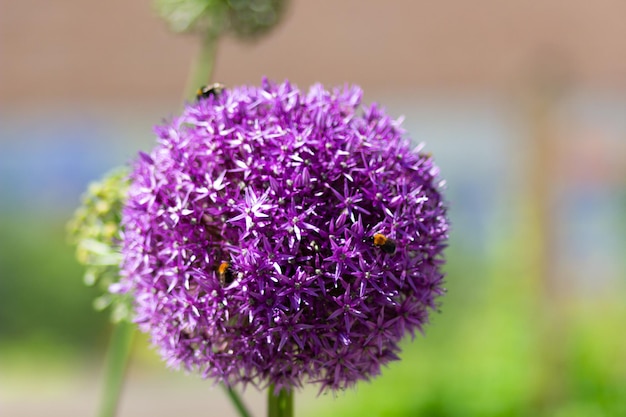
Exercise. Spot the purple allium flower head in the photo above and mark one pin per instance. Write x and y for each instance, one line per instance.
(249, 237)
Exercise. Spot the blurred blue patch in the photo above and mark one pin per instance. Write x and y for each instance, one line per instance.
(475, 142)
(46, 163)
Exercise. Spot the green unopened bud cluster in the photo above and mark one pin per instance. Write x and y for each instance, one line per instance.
(95, 230)
(245, 18)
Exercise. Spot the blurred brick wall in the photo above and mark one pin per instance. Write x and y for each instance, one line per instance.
(117, 50)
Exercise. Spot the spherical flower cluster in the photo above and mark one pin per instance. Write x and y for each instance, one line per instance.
(277, 236)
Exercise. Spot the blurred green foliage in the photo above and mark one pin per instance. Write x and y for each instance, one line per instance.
(43, 301)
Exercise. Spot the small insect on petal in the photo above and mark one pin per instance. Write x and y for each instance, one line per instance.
(225, 274)
(207, 91)
(384, 243)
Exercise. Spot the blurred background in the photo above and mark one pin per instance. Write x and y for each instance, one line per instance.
(522, 103)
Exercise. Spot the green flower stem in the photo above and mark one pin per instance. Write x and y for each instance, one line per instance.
(116, 362)
(202, 68)
(237, 402)
(280, 405)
